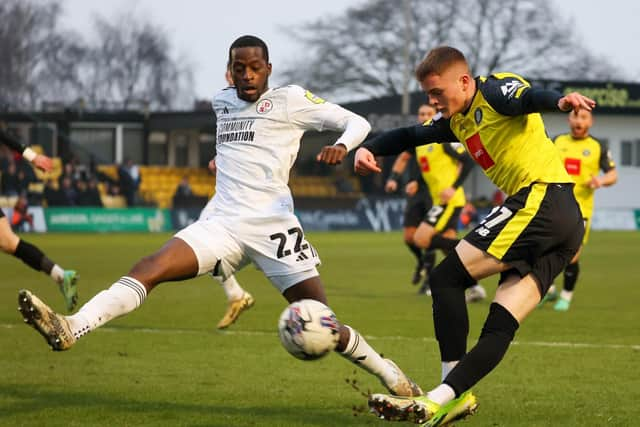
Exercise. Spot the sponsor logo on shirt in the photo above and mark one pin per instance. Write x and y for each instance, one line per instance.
(572, 166)
(313, 98)
(424, 164)
(476, 148)
(509, 89)
(235, 131)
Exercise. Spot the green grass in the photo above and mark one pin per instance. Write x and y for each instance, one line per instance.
(166, 365)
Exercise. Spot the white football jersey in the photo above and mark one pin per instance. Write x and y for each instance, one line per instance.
(257, 144)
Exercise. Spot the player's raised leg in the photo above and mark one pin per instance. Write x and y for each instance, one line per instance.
(352, 346)
(31, 255)
(174, 261)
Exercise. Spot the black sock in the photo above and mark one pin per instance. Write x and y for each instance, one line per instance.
(429, 261)
(33, 257)
(571, 276)
(450, 318)
(416, 251)
(440, 242)
(497, 333)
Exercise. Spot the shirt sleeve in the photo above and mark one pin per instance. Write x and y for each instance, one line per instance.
(11, 141)
(606, 160)
(310, 112)
(398, 140)
(511, 95)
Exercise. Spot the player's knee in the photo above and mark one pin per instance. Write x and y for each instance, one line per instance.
(422, 239)
(450, 273)
(500, 323)
(8, 242)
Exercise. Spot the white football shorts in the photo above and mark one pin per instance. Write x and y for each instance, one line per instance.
(277, 246)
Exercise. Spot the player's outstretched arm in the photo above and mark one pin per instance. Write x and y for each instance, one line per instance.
(332, 154)
(365, 162)
(576, 101)
(355, 131)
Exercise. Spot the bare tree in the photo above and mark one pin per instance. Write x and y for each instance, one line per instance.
(131, 63)
(30, 48)
(360, 54)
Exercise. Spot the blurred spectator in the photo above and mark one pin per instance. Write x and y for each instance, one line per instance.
(69, 193)
(112, 189)
(20, 217)
(69, 172)
(53, 195)
(469, 215)
(10, 181)
(129, 176)
(23, 181)
(183, 192)
(88, 194)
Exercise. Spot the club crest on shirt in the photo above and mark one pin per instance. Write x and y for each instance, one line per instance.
(477, 115)
(586, 153)
(264, 106)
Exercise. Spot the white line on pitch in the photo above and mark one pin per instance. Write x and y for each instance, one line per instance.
(369, 337)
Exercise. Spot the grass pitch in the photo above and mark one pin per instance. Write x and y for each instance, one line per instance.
(166, 365)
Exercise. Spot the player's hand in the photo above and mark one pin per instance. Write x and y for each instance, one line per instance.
(595, 183)
(212, 166)
(43, 163)
(411, 188)
(575, 101)
(332, 154)
(447, 194)
(365, 162)
(391, 186)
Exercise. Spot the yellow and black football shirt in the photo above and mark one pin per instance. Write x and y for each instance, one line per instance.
(441, 165)
(502, 130)
(583, 159)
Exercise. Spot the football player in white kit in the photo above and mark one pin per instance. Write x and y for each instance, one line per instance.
(250, 218)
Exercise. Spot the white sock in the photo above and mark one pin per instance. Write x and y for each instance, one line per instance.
(362, 354)
(231, 287)
(121, 298)
(566, 295)
(442, 394)
(57, 274)
(552, 289)
(448, 367)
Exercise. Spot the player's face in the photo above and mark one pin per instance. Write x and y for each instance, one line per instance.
(449, 91)
(580, 123)
(425, 112)
(249, 72)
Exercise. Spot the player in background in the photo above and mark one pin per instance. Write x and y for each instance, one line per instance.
(31, 255)
(443, 168)
(251, 217)
(417, 197)
(584, 157)
(529, 239)
(238, 299)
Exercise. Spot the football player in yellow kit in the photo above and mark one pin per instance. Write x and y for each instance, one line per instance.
(529, 239)
(584, 157)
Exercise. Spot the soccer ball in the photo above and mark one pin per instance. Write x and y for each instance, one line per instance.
(308, 329)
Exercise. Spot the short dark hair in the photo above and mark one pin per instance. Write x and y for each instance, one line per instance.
(438, 60)
(249, 41)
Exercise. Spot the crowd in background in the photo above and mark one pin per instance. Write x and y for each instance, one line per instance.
(77, 185)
